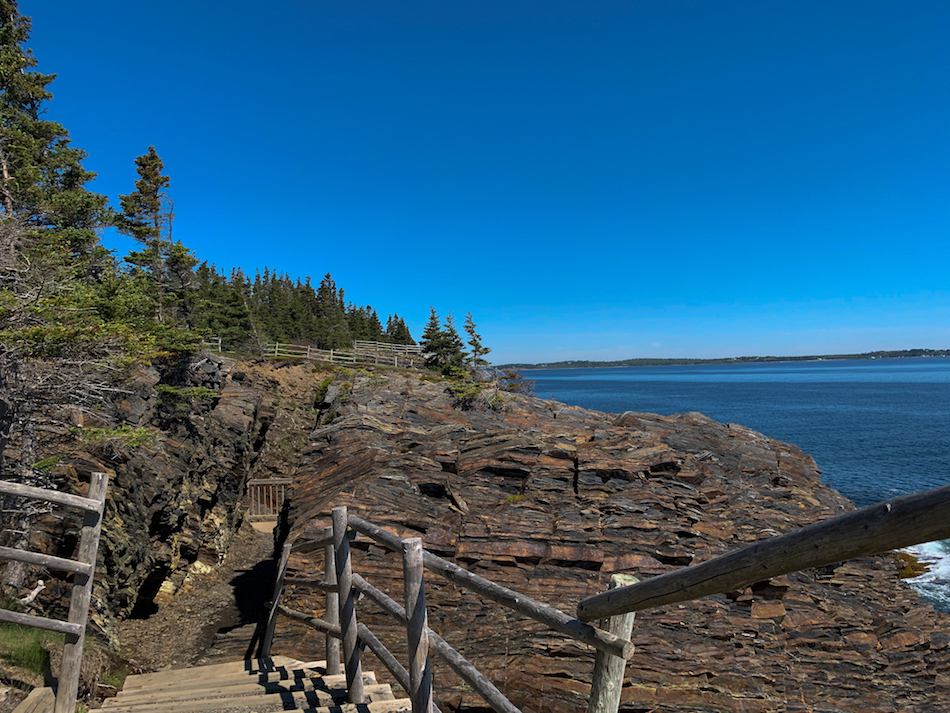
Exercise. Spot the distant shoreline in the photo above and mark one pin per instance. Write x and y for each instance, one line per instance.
(586, 364)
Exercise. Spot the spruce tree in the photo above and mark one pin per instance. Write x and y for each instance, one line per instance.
(475, 342)
(42, 180)
(145, 215)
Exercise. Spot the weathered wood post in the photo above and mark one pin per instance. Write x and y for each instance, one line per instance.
(81, 595)
(268, 639)
(607, 681)
(417, 620)
(347, 598)
(333, 610)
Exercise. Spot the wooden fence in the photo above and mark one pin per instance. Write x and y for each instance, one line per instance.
(266, 497)
(342, 586)
(83, 569)
(901, 522)
(409, 356)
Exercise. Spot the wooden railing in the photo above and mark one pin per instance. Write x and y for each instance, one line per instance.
(83, 569)
(901, 522)
(266, 497)
(342, 586)
(897, 523)
(405, 355)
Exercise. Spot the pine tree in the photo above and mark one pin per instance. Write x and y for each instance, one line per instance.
(475, 342)
(42, 180)
(441, 345)
(147, 216)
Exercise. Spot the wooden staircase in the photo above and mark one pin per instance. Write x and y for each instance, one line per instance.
(277, 683)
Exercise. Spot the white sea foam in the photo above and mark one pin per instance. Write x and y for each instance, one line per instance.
(934, 585)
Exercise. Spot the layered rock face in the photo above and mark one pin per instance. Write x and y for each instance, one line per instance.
(172, 504)
(551, 500)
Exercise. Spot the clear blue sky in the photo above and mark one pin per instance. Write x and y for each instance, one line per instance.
(591, 179)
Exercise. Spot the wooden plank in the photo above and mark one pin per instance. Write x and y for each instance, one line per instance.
(417, 624)
(607, 678)
(40, 622)
(81, 596)
(463, 668)
(270, 481)
(50, 496)
(247, 667)
(49, 561)
(344, 578)
(901, 522)
(40, 700)
(268, 638)
(554, 618)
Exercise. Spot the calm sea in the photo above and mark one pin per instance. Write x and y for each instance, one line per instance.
(877, 428)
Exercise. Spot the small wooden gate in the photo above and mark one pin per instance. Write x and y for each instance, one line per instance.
(266, 497)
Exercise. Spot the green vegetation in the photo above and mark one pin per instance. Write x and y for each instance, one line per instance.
(126, 435)
(27, 647)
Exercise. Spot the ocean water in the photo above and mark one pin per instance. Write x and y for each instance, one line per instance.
(877, 428)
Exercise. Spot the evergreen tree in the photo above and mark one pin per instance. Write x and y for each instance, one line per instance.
(42, 180)
(147, 216)
(397, 332)
(441, 345)
(475, 342)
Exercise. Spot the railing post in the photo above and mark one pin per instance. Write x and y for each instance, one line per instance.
(333, 610)
(275, 601)
(344, 578)
(607, 681)
(420, 673)
(82, 593)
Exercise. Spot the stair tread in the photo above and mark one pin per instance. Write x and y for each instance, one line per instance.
(248, 666)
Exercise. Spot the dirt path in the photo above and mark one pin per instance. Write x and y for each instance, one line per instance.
(181, 631)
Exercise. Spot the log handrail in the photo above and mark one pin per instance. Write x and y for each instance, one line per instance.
(900, 522)
(554, 618)
(340, 625)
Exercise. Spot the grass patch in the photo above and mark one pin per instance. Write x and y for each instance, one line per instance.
(27, 647)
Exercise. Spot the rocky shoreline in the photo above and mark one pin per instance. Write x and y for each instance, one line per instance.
(551, 500)
(547, 499)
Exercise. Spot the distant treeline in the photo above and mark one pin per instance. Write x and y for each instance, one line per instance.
(585, 364)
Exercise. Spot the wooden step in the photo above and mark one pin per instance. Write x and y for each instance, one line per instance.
(261, 685)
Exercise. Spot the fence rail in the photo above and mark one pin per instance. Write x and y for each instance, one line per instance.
(365, 353)
(266, 497)
(83, 568)
(342, 586)
(901, 522)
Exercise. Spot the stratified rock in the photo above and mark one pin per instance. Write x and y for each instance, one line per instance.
(552, 501)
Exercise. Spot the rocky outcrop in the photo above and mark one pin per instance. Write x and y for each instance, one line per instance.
(176, 478)
(551, 500)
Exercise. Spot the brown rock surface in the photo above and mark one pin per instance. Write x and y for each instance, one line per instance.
(551, 502)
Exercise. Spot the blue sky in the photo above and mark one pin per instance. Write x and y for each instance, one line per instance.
(592, 180)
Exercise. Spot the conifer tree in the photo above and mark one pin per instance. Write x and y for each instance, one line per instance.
(42, 180)
(147, 216)
(475, 342)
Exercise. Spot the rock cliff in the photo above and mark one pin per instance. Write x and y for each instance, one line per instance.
(547, 499)
(551, 500)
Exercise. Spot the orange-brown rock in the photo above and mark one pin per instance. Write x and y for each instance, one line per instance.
(551, 501)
